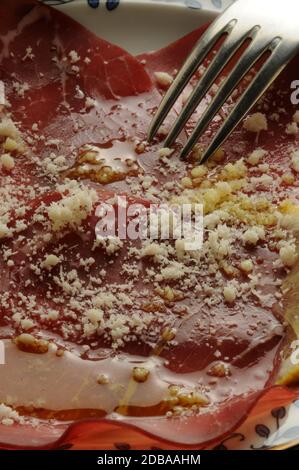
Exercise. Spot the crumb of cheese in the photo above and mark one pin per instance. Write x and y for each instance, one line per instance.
(253, 235)
(94, 315)
(199, 171)
(186, 182)
(28, 343)
(218, 155)
(246, 266)
(165, 152)
(10, 145)
(102, 379)
(8, 416)
(50, 261)
(90, 102)
(7, 161)
(296, 117)
(255, 157)
(292, 128)
(256, 122)
(4, 231)
(295, 161)
(163, 79)
(74, 57)
(140, 374)
(8, 129)
(288, 255)
(173, 271)
(27, 324)
(72, 209)
(288, 178)
(229, 293)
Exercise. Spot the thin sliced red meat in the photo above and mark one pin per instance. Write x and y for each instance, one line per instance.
(69, 83)
(201, 339)
(124, 76)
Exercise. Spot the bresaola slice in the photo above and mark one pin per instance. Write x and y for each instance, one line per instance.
(64, 85)
(185, 336)
(28, 25)
(140, 272)
(101, 303)
(51, 102)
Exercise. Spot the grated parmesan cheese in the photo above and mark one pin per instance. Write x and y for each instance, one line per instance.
(295, 161)
(27, 324)
(288, 255)
(256, 122)
(8, 129)
(50, 261)
(199, 171)
(72, 209)
(90, 103)
(230, 293)
(94, 315)
(174, 271)
(8, 416)
(7, 161)
(292, 128)
(255, 157)
(296, 117)
(246, 266)
(253, 235)
(163, 79)
(11, 145)
(140, 374)
(74, 57)
(20, 88)
(4, 231)
(165, 152)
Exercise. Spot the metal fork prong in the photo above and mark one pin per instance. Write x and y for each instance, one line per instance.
(231, 45)
(196, 57)
(260, 83)
(245, 63)
(280, 57)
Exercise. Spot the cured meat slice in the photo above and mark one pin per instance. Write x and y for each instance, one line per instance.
(134, 301)
(64, 86)
(181, 345)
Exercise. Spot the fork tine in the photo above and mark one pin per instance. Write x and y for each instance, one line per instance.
(281, 55)
(245, 63)
(219, 27)
(279, 58)
(233, 42)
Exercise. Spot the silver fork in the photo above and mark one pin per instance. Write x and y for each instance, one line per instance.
(270, 27)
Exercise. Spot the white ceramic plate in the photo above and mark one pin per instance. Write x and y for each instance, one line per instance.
(138, 26)
(130, 23)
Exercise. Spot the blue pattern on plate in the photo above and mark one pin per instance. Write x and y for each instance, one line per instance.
(110, 4)
(113, 4)
(195, 4)
(56, 2)
(93, 3)
(217, 3)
